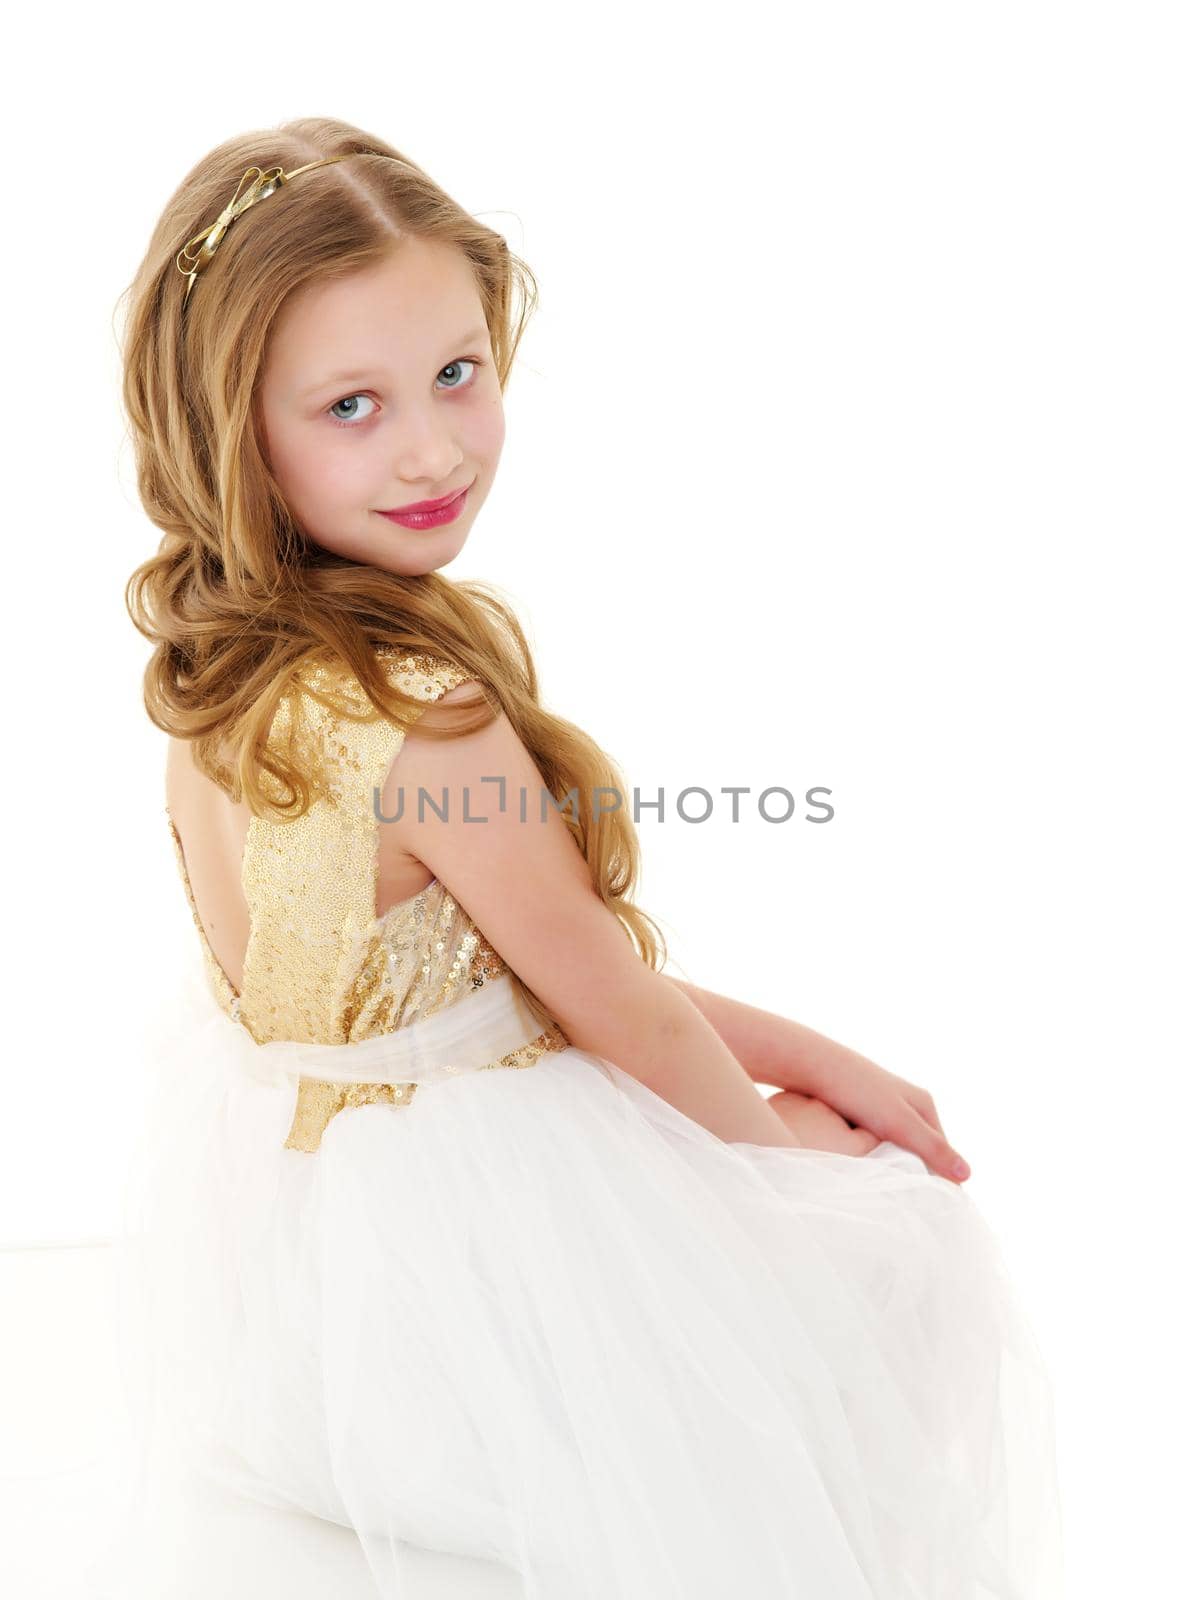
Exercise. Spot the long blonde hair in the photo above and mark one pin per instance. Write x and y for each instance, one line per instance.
(236, 600)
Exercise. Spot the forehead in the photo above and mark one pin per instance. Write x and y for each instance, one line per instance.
(404, 306)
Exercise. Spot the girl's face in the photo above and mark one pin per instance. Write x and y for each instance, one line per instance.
(378, 391)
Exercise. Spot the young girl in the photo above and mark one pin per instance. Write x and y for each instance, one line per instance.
(462, 1225)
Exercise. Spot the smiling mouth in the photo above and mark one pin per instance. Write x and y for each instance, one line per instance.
(418, 507)
(441, 513)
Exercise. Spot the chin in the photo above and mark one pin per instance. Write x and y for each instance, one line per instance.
(415, 563)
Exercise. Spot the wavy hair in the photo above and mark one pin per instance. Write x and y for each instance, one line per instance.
(236, 600)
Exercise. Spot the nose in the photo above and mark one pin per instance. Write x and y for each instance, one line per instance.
(424, 452)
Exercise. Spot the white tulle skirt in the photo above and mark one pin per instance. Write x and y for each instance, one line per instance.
(541, 1317)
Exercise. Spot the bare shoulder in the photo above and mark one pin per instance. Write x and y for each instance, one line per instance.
(178, 762)
(187, 789)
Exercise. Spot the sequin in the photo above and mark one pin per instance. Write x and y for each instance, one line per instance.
(318, 1101)
(320, 966)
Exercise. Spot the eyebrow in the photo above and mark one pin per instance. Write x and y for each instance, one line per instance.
(481, 332)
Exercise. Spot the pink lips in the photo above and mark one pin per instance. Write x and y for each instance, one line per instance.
(429, 513)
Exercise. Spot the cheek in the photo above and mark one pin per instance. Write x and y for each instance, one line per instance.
(483, 432)
(317, 468)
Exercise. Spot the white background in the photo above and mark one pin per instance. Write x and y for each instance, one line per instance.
(852, 444)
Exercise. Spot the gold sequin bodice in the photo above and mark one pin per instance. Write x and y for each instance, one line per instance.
(320, 966)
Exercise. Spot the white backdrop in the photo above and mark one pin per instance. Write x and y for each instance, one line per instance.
(853, 444)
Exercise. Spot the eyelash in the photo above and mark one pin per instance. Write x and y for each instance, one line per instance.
(357, 422)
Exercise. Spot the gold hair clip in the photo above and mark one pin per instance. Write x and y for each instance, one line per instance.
(198, 252)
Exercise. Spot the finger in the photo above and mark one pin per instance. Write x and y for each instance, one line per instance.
(933, 1147)
(921, 1102)
(929, 1113)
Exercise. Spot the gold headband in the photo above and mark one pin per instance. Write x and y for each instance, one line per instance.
(198, 252)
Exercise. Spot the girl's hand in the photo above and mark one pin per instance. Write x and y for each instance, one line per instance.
(850, 1099)
(878, 1102)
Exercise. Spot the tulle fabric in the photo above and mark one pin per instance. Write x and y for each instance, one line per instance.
(540, 1317)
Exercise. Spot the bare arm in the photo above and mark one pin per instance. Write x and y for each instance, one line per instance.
(526, 887)
(657, 1035)
(771, 1049)
(776, 1050)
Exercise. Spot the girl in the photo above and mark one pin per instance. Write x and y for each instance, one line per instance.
(461, 1225)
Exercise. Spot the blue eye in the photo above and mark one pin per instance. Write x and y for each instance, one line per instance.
(463, 361)
(346, 421)
(348, 400)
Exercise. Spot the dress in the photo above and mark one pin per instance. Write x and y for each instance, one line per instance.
(411, 1262)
